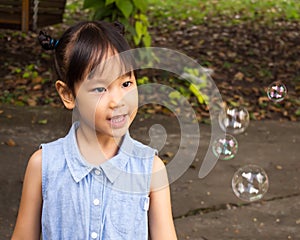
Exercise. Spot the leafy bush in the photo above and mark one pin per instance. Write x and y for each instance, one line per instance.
(131, 13)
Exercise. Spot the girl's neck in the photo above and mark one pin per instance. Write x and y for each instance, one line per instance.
(96, 148)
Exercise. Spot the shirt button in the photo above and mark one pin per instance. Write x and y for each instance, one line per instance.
(94, 235)
(97, 172)
(96, 202)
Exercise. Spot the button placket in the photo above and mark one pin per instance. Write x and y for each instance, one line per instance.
(95, 201)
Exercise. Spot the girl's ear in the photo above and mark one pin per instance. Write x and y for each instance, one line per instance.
(65, 94)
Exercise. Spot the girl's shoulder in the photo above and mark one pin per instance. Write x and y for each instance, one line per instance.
(158, 164)
(34, 166)
(54, 148)
(159, 175)
(35, 161)
(55, 143)
(53, 156)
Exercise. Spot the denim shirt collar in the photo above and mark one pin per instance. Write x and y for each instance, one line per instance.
(79, 168)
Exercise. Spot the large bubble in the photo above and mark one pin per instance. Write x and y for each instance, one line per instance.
(225, 147)
(234, 120)
(250, 183)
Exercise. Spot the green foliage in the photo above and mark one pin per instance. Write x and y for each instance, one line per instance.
(194, 83)
(7, 97)
(235, 11)
(28, 72)
(131, 13)
(142, 80)
(198, 82)
(72, 7)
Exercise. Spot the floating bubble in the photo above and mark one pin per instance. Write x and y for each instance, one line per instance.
(277, 91)
(234, 120)
(225, 147)
(250, 183)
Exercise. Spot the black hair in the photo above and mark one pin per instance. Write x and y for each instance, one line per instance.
(83, 47)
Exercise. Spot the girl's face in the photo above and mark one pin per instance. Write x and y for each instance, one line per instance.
(107, 103)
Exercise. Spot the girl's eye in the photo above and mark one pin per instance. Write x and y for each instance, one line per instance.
(127, 84)
(99, 90)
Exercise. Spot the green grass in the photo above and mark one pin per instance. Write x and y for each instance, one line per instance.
(233, 10)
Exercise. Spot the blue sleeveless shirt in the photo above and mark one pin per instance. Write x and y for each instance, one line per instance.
(82, 201)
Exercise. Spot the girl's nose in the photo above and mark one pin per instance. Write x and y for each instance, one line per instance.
(116, 99)
(113, 104)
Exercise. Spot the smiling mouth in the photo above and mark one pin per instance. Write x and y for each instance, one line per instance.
(118, 121)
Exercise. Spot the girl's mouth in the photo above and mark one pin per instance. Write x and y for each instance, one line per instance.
(118, 121)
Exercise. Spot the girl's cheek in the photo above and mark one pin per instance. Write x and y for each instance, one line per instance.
(133, 97)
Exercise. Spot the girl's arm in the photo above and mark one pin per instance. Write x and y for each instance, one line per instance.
(28, 225)
(161, 224)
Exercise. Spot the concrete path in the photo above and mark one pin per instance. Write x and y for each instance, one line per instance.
(202, 208)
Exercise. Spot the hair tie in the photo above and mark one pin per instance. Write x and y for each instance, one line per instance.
(47, 42)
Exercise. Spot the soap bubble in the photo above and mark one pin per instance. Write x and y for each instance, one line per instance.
(250, 183)
(234, 120)
(277, 91)
(225, 147)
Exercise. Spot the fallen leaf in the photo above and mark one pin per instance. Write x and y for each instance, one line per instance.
(151, 111)
(279, 167)
(262, 100)
(168, 154)
(165, 161)
(31, 102)
(248, 79)
(239, 76)
(275, 109)
(37, 87)
(37, 79)
(10, 142)
(192, 166)
(231, 54)
(43, 121)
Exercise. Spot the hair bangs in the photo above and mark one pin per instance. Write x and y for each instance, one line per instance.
(91, 49)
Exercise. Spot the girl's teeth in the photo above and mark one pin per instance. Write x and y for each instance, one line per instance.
(117, 119)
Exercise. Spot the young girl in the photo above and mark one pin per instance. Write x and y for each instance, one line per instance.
(96, 182)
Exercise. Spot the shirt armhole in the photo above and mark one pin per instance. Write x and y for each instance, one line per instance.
(44, 170)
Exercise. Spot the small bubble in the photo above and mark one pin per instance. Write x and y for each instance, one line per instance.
(250, 183)
(225, 148)
(234, 120)
(276, 91)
